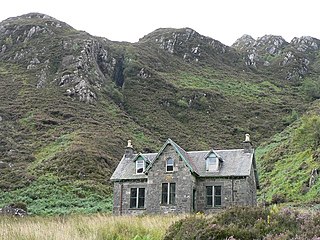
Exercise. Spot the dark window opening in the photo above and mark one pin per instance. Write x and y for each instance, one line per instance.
(137, 197)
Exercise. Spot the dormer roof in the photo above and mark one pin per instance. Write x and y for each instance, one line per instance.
(181, 152)
(136, 157)
(215, 153)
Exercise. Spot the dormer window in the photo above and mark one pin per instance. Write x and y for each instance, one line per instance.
(212, 162)
(169, 165)
(140, 165)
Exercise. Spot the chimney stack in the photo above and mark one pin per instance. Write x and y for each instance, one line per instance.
(129, 150)
(247, 145)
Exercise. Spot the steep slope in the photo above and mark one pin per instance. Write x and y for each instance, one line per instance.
(69, 101)
(290, 162)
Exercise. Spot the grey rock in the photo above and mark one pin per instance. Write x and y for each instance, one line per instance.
(3, 49)
(305, 43)
(13, 211)
(144, 74)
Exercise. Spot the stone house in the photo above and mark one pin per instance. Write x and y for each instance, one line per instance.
(176, 181)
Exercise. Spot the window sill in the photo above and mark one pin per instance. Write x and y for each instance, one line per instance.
(215, 207)
(137, 208)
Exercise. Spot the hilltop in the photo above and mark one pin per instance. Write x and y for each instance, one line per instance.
(69, 101)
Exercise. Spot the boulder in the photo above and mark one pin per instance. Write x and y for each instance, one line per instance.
(13, 210)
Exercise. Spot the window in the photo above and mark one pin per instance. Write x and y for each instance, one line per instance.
(168, 193)
(213, 196)
(140, 166)
(170, 163)
(212, 163)
(137, 197)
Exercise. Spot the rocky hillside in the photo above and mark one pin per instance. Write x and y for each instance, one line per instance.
(293, 61)
(69, 101)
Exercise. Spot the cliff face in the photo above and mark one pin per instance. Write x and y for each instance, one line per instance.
(69, 101)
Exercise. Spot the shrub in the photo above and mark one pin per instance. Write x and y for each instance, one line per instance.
(248, 223)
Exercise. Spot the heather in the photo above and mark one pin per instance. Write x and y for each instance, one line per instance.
(249, 223)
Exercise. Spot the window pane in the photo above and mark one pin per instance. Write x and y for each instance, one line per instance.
(141, 198)
(209, 196)
(170, 164)
(140, 166)
(217, 196)
(217, 190)
(217, 201)
(133, 198)
(134, 192)
(209, 190)
(164, 199)
(172, 199)
(211, 163)
(170, 161)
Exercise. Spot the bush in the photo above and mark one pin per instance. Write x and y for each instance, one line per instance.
(248, 223)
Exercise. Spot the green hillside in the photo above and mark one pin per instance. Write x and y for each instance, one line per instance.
(70, 101)
(287, 161)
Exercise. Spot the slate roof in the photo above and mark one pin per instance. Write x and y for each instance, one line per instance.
(235, 163)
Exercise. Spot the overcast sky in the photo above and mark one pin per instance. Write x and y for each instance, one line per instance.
(223, 20)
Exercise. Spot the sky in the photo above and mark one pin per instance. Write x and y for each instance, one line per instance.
(223, 20)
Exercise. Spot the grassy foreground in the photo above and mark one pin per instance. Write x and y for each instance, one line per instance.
(86, 227)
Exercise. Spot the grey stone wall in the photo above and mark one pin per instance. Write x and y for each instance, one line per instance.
(235, 192)
(122, 206)
(181, 175)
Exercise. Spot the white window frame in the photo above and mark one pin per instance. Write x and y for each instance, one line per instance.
(212, 167)
(171, 198)
(213, 203)
(169, 165)
(138, 190)
(139, 162)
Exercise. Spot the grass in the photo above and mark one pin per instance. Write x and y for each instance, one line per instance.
(286, 161)
(86, 227)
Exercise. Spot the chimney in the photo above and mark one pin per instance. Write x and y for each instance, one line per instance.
(129, 150)
(247, 145)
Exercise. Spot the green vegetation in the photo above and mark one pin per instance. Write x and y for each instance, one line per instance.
(247, 224)
(50, 195)
(311, 87)
(287, 160)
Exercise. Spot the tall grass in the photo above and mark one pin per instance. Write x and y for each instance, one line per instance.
(86, 227)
